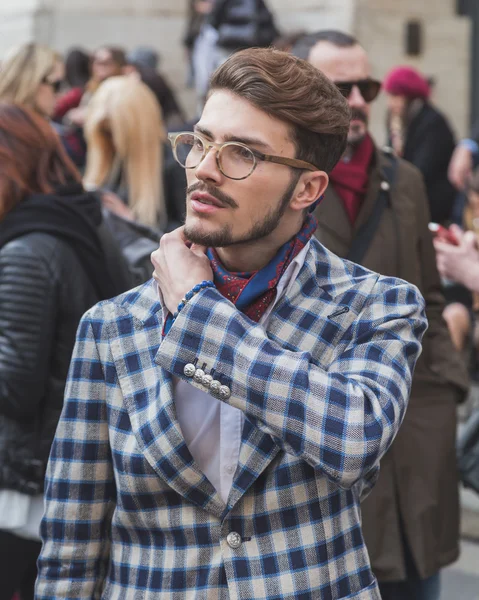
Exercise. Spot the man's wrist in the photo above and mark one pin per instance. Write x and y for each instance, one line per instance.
(470, 145)
(192, 292)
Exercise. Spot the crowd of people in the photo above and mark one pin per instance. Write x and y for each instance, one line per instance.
(219, 429)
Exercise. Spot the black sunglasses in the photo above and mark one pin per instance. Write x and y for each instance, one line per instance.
(368, 88)
(55, 85)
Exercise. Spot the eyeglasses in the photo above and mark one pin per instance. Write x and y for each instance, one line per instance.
(234, 159)
(55, 85)
(368, 88)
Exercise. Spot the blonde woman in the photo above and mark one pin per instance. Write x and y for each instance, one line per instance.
(31, 75)
(124, 131)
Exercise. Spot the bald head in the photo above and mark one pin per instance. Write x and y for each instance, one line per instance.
(339, 63)
(346, 64)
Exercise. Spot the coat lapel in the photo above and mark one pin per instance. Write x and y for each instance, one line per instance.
(321, 289)
(149, 398)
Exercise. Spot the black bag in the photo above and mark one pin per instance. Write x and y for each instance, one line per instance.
(136, 242)
(468, 453)
(245, 24)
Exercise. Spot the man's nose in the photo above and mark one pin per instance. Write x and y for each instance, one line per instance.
(356, 99)
(208, 169)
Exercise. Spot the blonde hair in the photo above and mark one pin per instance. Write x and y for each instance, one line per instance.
(22, 72)
(124, 123)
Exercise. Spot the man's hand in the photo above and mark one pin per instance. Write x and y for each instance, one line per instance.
(179, 268)
(116, 205)
(460, 167)
(459, 263)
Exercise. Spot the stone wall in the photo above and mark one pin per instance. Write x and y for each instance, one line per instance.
(379, 24)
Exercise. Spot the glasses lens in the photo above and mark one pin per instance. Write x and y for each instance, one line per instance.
(369, 89)
(345, 88)
(189, 150)
(236, 161)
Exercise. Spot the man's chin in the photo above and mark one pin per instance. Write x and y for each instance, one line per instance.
(356, 137)
(210, 237)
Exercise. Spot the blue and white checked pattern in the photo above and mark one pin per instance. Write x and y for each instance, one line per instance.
(129, 515)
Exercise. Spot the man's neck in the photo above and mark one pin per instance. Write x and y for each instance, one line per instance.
(253, 256)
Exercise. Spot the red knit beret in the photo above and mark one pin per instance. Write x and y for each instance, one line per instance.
(406, 81)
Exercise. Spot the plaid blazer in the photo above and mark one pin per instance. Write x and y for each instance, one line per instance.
(129, 515)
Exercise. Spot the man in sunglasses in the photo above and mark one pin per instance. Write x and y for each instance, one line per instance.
(221, 424)
(376, 213)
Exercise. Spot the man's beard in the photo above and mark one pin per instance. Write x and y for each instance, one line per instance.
(356, 137)
(224, 237)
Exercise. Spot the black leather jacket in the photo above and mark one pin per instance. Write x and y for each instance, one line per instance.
(44, 291)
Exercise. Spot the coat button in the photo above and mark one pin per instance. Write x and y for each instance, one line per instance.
(198, 376)
(206, 381)
(385, 186)
(233, 540)
(189, 370)
(224, 392)
(215, 386)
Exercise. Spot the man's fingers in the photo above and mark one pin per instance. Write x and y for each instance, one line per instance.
(469, 239)
(198, 250)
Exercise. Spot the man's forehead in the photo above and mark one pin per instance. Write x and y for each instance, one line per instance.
(339, 63)
(227, 115)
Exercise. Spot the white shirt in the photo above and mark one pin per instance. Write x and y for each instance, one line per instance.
(212, 429)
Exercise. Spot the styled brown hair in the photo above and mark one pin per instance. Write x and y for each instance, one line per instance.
(32, 158)
(291, 90)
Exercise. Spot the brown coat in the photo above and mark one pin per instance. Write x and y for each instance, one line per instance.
(418, 480)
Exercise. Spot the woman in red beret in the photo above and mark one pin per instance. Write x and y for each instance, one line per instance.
(420, 134)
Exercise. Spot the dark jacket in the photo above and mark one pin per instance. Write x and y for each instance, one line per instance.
(44, 291)
(429, 145)
(418, 478)
(243, 24)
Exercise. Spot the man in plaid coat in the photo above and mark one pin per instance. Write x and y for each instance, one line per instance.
(222, 423)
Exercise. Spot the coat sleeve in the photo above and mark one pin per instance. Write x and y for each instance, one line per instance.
(80, 489)
(27, 323)
(340, 420)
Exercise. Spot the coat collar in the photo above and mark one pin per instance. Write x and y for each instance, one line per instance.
(331, 210)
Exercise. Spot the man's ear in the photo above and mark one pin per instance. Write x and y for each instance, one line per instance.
(310, 187)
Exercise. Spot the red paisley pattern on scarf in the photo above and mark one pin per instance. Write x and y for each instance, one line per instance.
(253, 292)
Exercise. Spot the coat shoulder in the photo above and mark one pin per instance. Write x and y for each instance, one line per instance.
(338, 276)
(140, 304)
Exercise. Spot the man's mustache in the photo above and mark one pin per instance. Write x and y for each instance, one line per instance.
(212, 191)
(358, 115)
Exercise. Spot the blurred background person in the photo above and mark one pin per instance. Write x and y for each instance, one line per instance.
(125, 132)
(77, 76)
(32, 75)
(143, 62)
(462, 304)
(464, 159)
(200, 41)
(53, 267)
(241, 24)
(107, 61)
(421, 134)
(375, 213)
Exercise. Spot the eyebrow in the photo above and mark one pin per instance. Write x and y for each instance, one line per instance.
(249, 141)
